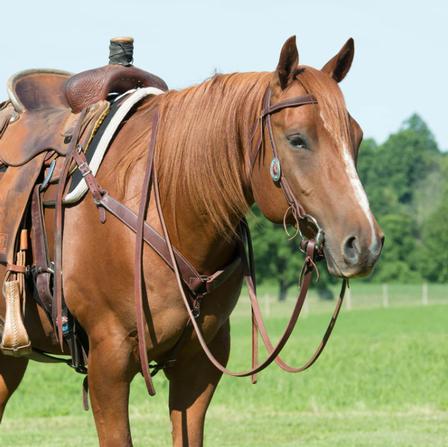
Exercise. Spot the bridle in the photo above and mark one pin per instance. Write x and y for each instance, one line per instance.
(276, 172)
(190, 293)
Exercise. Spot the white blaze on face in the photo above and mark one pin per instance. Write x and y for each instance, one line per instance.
(360, 194)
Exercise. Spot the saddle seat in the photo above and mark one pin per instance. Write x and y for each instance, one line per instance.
(88, 87)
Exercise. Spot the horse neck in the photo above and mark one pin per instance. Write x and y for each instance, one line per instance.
(227, 132)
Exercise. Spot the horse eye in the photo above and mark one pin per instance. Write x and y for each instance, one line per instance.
(297, 141)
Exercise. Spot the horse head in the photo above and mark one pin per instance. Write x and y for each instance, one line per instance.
(315, 147)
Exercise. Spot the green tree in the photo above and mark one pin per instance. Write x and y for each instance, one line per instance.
(402, 180)
(406, 158)
(433, 256)
(396, 263)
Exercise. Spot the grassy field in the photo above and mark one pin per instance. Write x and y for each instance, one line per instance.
(382, 381)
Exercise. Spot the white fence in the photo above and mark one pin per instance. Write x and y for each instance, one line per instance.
(358, 296)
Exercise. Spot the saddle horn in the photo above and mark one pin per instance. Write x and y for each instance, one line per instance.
(121, 51)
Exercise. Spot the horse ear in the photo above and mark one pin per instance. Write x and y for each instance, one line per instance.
(289, 59)
(339, 65)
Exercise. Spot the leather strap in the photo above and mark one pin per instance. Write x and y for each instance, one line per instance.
(14, 268)
(248, 262)
(59, 217)
(41, 267)
(138, 262)
(288, 103)
(193, 280)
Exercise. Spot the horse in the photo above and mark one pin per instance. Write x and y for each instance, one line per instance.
(209, 175)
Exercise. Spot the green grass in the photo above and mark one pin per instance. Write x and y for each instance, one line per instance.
(382, 381)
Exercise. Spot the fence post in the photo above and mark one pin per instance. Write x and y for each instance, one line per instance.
(348, 299)
(425, 298)
(385, 295)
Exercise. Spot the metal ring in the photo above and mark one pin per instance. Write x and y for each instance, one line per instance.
(320, 234)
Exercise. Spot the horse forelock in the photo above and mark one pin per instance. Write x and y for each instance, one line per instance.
(202, 138)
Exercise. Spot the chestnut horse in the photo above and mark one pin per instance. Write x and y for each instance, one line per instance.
(207, 184)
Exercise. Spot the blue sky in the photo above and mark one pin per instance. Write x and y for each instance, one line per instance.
(400, 66)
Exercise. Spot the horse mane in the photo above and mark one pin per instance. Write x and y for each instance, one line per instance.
(201, 143)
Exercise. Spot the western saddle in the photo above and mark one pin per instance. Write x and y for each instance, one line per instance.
(37, 125)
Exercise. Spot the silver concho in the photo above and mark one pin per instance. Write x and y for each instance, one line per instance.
(275, 169)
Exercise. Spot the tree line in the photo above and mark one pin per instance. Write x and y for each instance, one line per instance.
(406, 180)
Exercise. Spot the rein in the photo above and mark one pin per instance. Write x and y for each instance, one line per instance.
(193, 286)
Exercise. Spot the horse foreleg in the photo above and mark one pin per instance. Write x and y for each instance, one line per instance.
(192, 384)
(110, 374)
(11, 374)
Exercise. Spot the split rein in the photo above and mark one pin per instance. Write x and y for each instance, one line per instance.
(193, 292)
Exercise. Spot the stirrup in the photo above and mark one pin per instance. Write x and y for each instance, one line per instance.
(15, 340)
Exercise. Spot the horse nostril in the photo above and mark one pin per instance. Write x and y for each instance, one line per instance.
(351, 250)
(375, 249)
